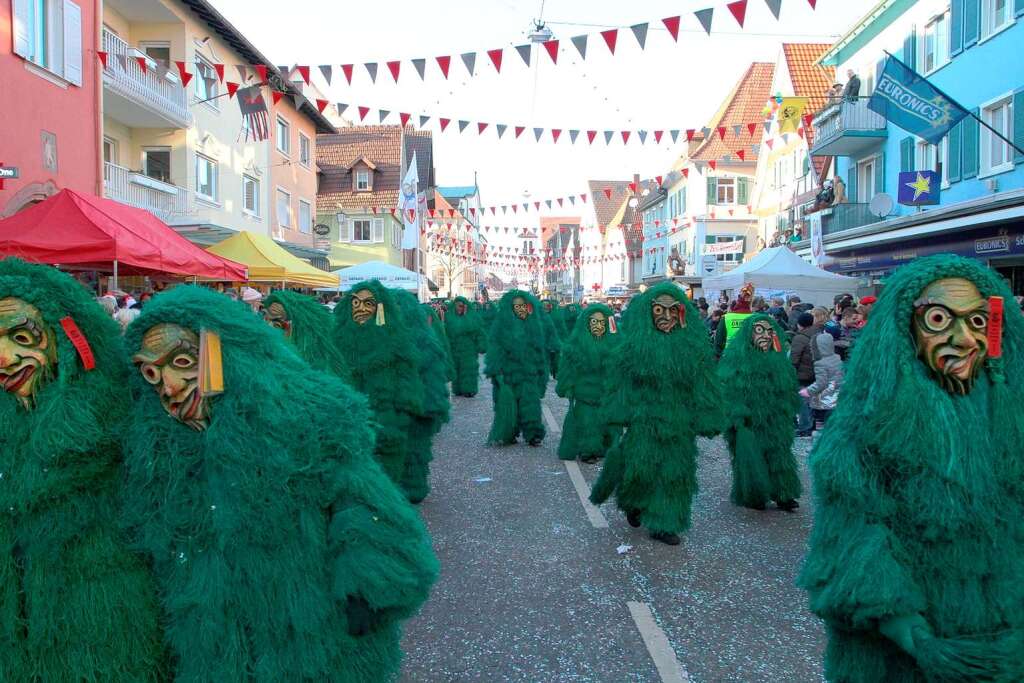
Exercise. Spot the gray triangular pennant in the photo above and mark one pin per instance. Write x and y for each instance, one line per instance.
(572, 200)
(243, 72)
(286, 71)
(341, 106)
(537, 132)
(581, 44)
(423, 120)
(674, 134)
(573, 134)
(706, 132)
(727, 158)
(737, 129)
(704, 17)
(328, 71)
(756, 149)
(462, 125)
(608, 134)
(524, 52)
(421, 67)
(469, 59)
(501, 127)
(699, 165)
(384, 114)
(640, 31)
(371, 68)
(548, 202)
(767, 126)
(297, 100)
(642, 134)
(774, 6)
(122, 61)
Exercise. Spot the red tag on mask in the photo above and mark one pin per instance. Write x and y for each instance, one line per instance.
(612, 326)
(682, 315)
(529, 308)
(79, 341)
(776, 344)
(995, 327)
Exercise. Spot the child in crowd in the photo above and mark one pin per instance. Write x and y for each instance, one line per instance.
(823, 393)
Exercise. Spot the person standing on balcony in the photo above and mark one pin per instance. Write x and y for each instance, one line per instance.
(852, 90)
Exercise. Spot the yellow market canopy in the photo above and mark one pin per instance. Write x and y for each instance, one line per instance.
(269, 262)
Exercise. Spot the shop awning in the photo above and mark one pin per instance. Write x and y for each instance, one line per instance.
(269, 262)
(92, 233)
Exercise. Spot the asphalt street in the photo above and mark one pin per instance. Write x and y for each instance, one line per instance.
(534, 587)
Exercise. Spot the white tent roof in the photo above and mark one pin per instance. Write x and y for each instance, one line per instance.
(780, 269)
(387, 274)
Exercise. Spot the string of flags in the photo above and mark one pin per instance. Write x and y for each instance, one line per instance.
(495, 56)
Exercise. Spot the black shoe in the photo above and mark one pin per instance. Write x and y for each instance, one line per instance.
(535, 441)
(760, 506)
(665, 537)
(589, 459)
(633, 517)
(469, 395)
(788, 505)
(805, 433)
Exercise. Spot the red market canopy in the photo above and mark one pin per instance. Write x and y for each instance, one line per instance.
(91, 233)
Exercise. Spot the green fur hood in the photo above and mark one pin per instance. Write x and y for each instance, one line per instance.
(517, 348)
(311, 331)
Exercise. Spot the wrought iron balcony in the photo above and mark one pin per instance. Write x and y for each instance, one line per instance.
(153, 98)
(847, 128)
(842, 217)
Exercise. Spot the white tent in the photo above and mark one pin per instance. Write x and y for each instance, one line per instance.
(780, 272)
(389, 276)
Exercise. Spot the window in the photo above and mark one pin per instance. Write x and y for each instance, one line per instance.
(378, 230)
(250, 195)
(933, 158)
(156, 163)
(996, 154)
(110, 155)
(361, 230)
(305, 150)
(159, 52)
(362, 180)
(206, 177)
(726, 191)
(935, 43)
(48, 33)
(305, 217)
(206, 84)
(995, 16)
(865, 181)
(284, 143)
(284, 209)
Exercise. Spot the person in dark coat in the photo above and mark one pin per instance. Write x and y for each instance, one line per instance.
(802, 357)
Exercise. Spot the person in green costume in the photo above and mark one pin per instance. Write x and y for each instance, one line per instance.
(281, 550)
(915, 556)
(307, 325)
(666, 396)
(488, 311)
(517, 363)
(569, 313)
(75, 603)
(379, 346)
(585, 373)
(435, 319)
(466, 334)
(759, 394)
(552, 334)
(432, 365)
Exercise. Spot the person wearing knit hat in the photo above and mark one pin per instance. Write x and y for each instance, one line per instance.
(865, 305)
(914, 560)
(733, 320)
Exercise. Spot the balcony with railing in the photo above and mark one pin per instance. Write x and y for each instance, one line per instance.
(169, 203)
(847, 128)
(153, 98)
(841, 217)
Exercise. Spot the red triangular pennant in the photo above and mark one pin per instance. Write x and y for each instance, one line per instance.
(321, 105)
(495, 56)
(103, 58)
(689, 134)
(481, 127)
(404, 118)
(232, 89)
(625, 137)
(751, 127)
(347, 70)
(686, 173)
(444, 62)
(813, 4)
(555, 132)
(142, 63)
(672, 24)
(552, 47)
(219, 68)
(632, 187)
(444, 123)
(261, 71)
(712, 164)
(658, 179)
(591, 134)
(608, 192)
(741, 154)
(304, 72)
(583, 198)
(721, 132)
(363, 111)
(739, 10)
(519, 130)
(657, 136)
(610, 36)
(276, 95)
(186, 77)
(394, 67)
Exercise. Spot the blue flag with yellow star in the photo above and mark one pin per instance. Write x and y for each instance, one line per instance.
(919, 188)
(908, 100)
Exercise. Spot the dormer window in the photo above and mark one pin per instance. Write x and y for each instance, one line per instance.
(362, 180)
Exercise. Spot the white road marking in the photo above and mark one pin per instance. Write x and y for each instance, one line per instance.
(549, 418)
(594, 514)
(657, 644)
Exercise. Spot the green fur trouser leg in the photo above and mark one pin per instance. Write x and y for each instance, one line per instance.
(528, 414)
(467, 374)
(416, 475)
(583, 432)
(759, 473)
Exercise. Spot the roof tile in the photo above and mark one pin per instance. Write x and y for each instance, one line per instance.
(380, 144)
(744, 106)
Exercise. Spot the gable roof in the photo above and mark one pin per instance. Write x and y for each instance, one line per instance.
(421, 142)
(809, 79)
(742, 106)
(606, 209)
(336, 153)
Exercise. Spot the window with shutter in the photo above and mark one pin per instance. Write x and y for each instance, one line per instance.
(378, 230)
(72, 43)
(343, 229)
(910, 48)
(956, 27)
(305, 217)
(743, 191)
(970, 147)
(1019, 9)
(1018, 118)
(851, 183)
(251, 195)
(953, 166)
(22, 18)
(972, 22)
(880, 173)
(907, 154)
(712, 190)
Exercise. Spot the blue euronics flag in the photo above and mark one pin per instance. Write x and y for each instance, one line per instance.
(919, 188)
(909, 101)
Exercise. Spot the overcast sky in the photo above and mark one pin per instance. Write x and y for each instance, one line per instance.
(669, 85)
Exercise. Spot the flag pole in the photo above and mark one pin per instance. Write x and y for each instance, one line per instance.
(965, 109)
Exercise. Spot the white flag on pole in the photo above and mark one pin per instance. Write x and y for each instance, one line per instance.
(410, 206)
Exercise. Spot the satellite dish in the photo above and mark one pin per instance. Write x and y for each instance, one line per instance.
(881, 205)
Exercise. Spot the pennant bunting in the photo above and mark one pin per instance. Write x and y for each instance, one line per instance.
(142, 62)
(751, 127)
(462, 125)
(444, 123)
(480, 128)
(519, 131)
(321, 105)
(555, 133)
(501, 127)
(341, 106)
(423, 120)
(186, 77)
(327, 71)
(347, 70)
(276, 96)
(690, 132)
(674, 135)
(363, 111)
(219, 68)
(395, 67)
(741, 154)
(552, 48)
(524, 53)
(496, 56)
(232, 89)
(657, 136)
(103, 60)
(303, 71)
(608, 135)
(672, 24)
(404, 118)
(421, 67)
(469, 59)
(774, 6)
(739, 10)
(383, 113)
(712, 163)
(640, 33)
(573, 134)
(642, 134)
(371, 68)
(610, 37)
(537, 132)
(704, 17)
(591, 134)
(243, 72)
(736, 129)
(721, 132)
(580, 42)
(583, 197)
(444, 63)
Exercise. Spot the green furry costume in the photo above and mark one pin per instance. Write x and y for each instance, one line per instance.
(569, 313)
(311, 325)
(281, 550)
(436, 323)
(552, 334)
(432, 365)
(488, 311)
(468, 340)
(920, 503)
(75, 604)
(384, 366)
(585, 372)
(759, 396)
(516, 362)
(666, 395)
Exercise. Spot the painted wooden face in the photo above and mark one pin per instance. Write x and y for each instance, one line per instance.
(598, 324)
(667, 313)
(169, 361)
(277, 316)
(460, 308)
(950, 329)
(364, 306)
(28, 350)
(521, 308)
(763, 336)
